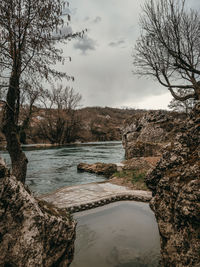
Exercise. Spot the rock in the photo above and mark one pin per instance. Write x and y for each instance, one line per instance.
(145, 136)
(3, 169)
(140, 163)
(175, 184)
(98, 168)
(32, 233)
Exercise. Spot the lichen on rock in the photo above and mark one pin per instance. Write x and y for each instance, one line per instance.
(145, 136)
(175, 184)
(32, 233)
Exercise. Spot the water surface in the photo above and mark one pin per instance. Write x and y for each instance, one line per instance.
(123, 234)
(53, 168)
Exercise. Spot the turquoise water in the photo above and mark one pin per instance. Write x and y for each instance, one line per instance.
(123, 234)
(52, 168)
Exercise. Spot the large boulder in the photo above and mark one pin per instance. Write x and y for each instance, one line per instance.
(106, 169)
(175, 184)
(145, 136)
(32, 233)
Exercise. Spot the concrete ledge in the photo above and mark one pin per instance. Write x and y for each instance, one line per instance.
(84, 197)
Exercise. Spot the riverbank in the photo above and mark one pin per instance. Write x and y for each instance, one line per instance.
(129, 173)
(39, 145)
(133, 172)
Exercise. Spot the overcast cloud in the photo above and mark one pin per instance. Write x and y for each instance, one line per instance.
(85, 44)
(102, 62)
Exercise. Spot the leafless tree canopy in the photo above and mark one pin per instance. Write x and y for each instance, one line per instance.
(28, 33)
(29, 30)
(168, 48)
(60, 121)
(185, 106)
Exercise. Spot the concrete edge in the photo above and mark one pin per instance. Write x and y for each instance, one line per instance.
(107, 200)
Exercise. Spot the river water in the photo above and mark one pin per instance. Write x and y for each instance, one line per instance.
(53, 168)
(122, 234)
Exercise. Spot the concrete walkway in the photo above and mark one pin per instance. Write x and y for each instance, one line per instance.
(87, 196)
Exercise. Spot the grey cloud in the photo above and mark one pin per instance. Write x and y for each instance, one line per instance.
(87, 18)
(104, 76)
(94, 21)
(73, 11)
(85, 44)
(97, 19)
(62, 31)
(117, 43)
(194, 4)
(66, 30)
(68, 10)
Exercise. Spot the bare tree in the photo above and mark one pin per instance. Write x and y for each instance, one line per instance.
(185, 106)
(29, 30)
(168, 48)
(61, 120)
(29, 97)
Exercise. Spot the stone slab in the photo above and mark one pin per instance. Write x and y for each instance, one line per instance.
(87, 196)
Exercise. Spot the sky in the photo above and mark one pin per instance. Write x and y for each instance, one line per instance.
(102, 60)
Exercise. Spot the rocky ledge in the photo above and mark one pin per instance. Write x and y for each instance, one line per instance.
(145, 136)
(175, 184)
(88, 196)
(32, 233)
(99, 168)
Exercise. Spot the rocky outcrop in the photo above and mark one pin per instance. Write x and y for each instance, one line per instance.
(175, 184)
(145, 136)
(140, 163)
(32, 233)
(98, 168)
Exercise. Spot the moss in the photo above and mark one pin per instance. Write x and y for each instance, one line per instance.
(136, 177)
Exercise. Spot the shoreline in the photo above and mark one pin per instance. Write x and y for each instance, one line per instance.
(48, 145)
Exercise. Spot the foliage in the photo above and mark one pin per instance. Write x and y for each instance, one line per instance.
(168, 48)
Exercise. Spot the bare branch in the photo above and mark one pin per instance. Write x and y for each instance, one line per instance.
(168, 47)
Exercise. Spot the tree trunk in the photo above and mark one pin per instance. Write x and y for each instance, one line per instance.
(198, 94)
(11, 130)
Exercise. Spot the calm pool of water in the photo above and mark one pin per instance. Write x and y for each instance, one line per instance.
(52, 168)
(123, 234)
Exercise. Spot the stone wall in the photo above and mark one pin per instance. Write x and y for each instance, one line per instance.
(32, 233)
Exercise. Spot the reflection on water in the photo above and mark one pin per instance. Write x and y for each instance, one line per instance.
(122, 234)
(52, 168)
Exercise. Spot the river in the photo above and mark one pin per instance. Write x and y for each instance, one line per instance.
(53, 168)
(123, 234)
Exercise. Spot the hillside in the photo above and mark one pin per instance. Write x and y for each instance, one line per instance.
(92, 124)
(102, 124)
